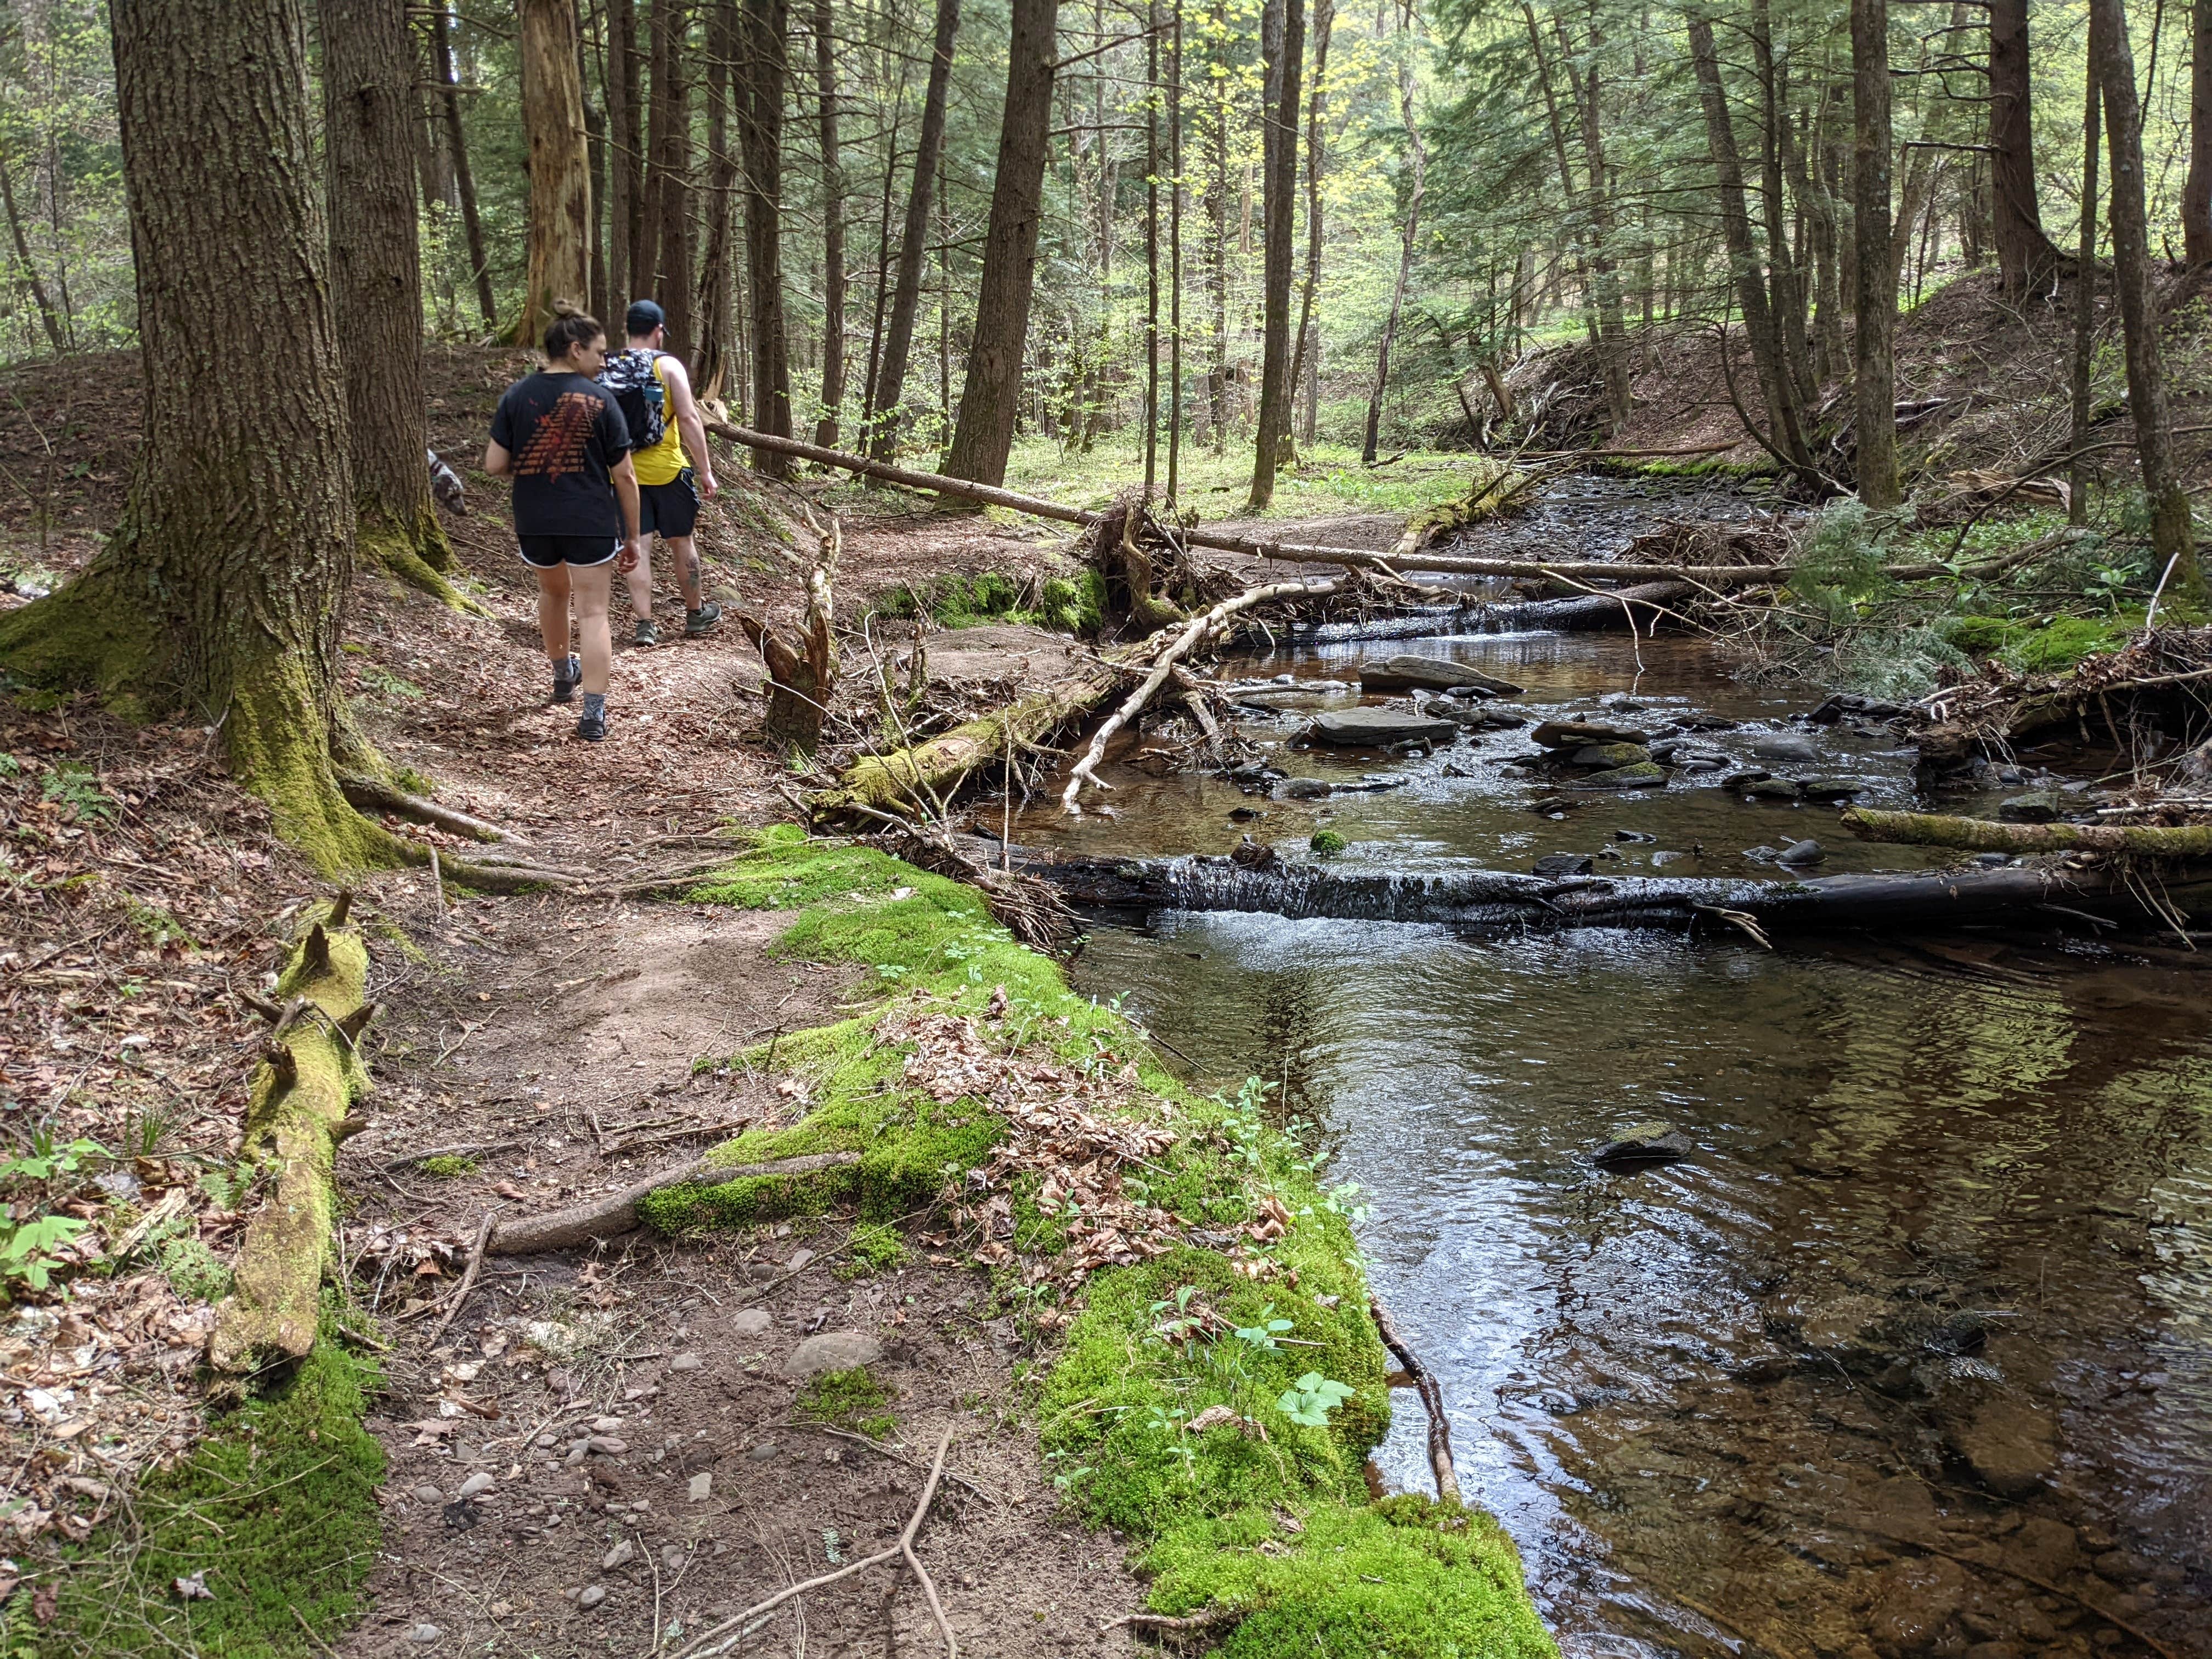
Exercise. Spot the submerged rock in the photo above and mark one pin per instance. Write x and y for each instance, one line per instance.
(1402, 673)
(1914, 1604)
(1576, 734)
(1705, 723)
(2012, 1448)
(1783, 746)
(1641, 1145)
(1774, 789)
(1378, 729)
(1828, 789)
(1305, 789)
(1563, 864)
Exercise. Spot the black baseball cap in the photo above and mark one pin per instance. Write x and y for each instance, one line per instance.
(643, 317)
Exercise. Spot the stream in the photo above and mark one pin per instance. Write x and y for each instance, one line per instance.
(1940, 1263)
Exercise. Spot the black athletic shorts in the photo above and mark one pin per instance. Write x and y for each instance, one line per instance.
(668, 509)
(544, 552)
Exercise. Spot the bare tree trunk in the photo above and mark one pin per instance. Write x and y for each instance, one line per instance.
(560, 176)
(2085, 305)
(1784, 417)
(376, 278)
(1283, 44)
(2026, 257)
(1419, 155)
(833, 234)
(711, 369)
(595, 151)
(1305, 369)
(989, 405)
(1786, 288)
(441, 40)
(1874, 368)
(1152, 246)
(1216, 253)
(766, 24)
(668, 177)
(2173, 537)
(627, 270)
(46, 315)
(2196, 193)
(913, 238)
(1174, 252)
(220, 592)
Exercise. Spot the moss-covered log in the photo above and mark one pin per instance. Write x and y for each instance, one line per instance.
(310, 1076)
(916, 778)
(1496, 487)
(617, 1213)
(2192, 840)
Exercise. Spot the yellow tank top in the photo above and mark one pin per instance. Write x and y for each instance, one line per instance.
(661, 463)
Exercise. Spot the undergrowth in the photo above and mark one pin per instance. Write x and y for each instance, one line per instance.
(271, 1522)
(1216, 1401)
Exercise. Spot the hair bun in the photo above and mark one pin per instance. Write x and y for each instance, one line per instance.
(567, 308)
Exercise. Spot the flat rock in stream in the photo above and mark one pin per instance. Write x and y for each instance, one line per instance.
(1378, 729)
(2012, 1448)
(1601, 755)
(1641, 1145)
(1403, 673)
(1640, 775)
(1829, 789)
(2040, 806)
(1578, 734)
(1785, 746)
(1774, 789)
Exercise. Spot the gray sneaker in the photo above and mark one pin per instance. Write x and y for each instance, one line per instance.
(648, 634)
(704, 620)
(566, 677)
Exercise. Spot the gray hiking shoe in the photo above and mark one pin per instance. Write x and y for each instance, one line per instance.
(565, 678)
(705, 619)
(648, 634)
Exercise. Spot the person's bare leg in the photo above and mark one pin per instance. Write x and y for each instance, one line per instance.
(553, 613)
(591, 586)
(683, 554)
(639, 580)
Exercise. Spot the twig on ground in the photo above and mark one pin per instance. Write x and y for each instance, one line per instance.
(468, 1278)
(1189, 1623)
(1432, 1397)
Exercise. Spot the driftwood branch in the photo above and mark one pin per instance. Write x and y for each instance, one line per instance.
(615, 1212)
(902, 1551)
(1173, 1625)
(1193, 634)
(2192, 841)
(1432, 1397)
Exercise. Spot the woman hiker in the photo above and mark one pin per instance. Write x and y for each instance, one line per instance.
(561, 436)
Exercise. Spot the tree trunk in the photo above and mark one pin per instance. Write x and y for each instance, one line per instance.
(464, 183)
(668, 177)
(1152, 249)
(1419, 155)
(1174, 252)
(220, 590)
(1304, 370)
(1786, 285)
(914, 239)
(761, 123)
(625, 112)
(717, 350)
(984, 434)
(595, 156)
(1785, 419)
(833, 234)
(2025, 258)
(376, 282)
(1283, 44)
(560, 175)
(2172, 538)
(1605, 277)
(2085, 307)
(2196, 193)
(1216, 253)
(1873, 368)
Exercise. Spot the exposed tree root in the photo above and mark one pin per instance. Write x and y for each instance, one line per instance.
(1176, 1626)
(370, 793)
(303, 1093)
(615, 1212)
(2192, 840)
(802, 677)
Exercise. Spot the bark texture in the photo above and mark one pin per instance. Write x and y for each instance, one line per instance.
(1417, 156)
(761, 124)
(2026, 257)
(992, 396)
(906, 291)
(560, 166)
(713, 364)
(1283, 44)
(2196, 191)
(220, 590)
(667, 225)
(1308, 346)
(1873, 362)
(833, 233)
(376, 282)
(465, 181)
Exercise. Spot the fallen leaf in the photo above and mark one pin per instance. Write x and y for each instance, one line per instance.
(195, 1588)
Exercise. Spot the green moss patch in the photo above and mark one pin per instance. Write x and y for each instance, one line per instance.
(852, 1399)
(1201, 1395)
(2044, 645)
(447, 1167)
(274, 1514)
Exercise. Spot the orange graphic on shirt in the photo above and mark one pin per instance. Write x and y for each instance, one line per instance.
(557, 446)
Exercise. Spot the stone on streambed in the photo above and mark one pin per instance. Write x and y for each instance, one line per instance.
(2012, 1448)
(1785, 746)
(832, 1350)
(1378, 729)
(2039, 806)
(1555, 864)
(1402, 673)
(1602, 756)
(1642, 1145)
(1828, 789)
(1774, 789)
(1576, 734)
(1643, 774)
(1803, 853)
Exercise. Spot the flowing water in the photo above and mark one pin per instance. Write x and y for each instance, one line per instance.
(1946, 1223)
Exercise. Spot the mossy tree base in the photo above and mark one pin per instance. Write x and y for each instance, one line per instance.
(418, 558)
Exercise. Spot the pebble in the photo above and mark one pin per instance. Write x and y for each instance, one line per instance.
(423, 1635)
(606, 1425)
(606, 1445)
(427, 1493)
(750, 1321)
(702, 1484)
(800, 1258)
(620, 1556)
(476, 1483)
(762, 1453)
(1802, 852)
(832, 1350)
(591, 1595)
(686, 1362)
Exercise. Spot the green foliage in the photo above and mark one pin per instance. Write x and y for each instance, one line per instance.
(1311, 1398)
(851, 1399)
(31, 1248)
(1327, 843)
(194, 1272)
(76, 788)
(276, 1512)
(447, 1167)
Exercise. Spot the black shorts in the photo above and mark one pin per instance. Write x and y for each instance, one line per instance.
(668, 509)
(544, 552)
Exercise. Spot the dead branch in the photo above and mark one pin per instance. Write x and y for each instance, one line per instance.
(382, 797)
(1171, 1625)
(1432, 1397)
(617, 1213)
(903, 1551)
(1984, 836)
(802, 677)
(468, 1276)
(1193, 634)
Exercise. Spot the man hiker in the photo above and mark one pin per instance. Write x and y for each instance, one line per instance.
(559, 434)
(675, 471)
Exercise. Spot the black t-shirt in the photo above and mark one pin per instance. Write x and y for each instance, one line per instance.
(565, 431)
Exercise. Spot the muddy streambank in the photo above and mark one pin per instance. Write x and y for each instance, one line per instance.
(1906, 1356)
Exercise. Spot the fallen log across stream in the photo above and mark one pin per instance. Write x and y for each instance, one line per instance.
(1504, 902)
